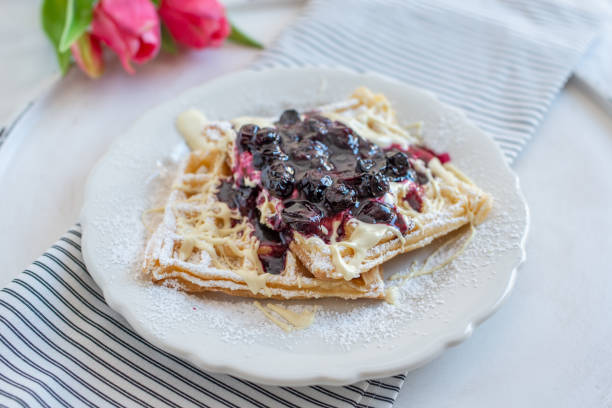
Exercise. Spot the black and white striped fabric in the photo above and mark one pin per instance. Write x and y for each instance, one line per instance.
(61, 345)
(502, 62)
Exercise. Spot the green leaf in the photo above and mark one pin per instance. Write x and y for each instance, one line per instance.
(78, 17)
(168, 44)
(239, 37)
(53, 14)
(156, 2)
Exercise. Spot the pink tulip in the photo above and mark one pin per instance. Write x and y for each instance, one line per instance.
(195, 23)
(87, 52)
(128, 27)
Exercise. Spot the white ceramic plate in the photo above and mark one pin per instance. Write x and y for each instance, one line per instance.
(349, 341)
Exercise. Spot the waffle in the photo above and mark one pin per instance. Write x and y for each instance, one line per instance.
(203, 245)
(450, 202)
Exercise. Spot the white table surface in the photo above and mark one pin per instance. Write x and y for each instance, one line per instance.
(548, 345)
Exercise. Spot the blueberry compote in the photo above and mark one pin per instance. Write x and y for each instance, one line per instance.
(322, 171)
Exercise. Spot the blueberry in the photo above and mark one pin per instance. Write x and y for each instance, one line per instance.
(374, 212)
(371, 185)
(379, 185)
(302, 216)
(370, 151)
(398, 166)
(289, 117)
(317, 124)
(363, 165)
(309, 149)
(267, 155)
(289, 135)
(274, 152)
(344, 138)
(351, 179)
(322, 164)
(266, 136)
(278, 178)
(319, 148)
(313, 185)
(339, 197)
(246, 136)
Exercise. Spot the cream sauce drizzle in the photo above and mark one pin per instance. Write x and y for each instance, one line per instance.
(255, 282)
(186, 249)
(192, 239)
(364, 237)
(392, 295)
(426, 270)
(300, 320)
(273, 318)
(200, 133)
(293, 320)
(191, 124)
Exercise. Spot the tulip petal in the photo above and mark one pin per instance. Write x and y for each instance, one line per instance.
(87, 52)
(211, 9)
(221, 34)
(146, 48)
(195, 23)
(104, 28)
(133, 17)
(130, 28)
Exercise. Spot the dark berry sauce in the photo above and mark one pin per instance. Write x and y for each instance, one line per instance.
(414, 197)
(425, 154)
(273, 244)
(323, 173)
(272, 247)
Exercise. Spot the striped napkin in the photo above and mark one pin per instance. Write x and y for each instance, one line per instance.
(60, 344)
(502, 62)
(595, 71)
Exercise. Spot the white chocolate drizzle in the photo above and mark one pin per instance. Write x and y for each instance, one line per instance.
(364, 237)
(290, 320)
